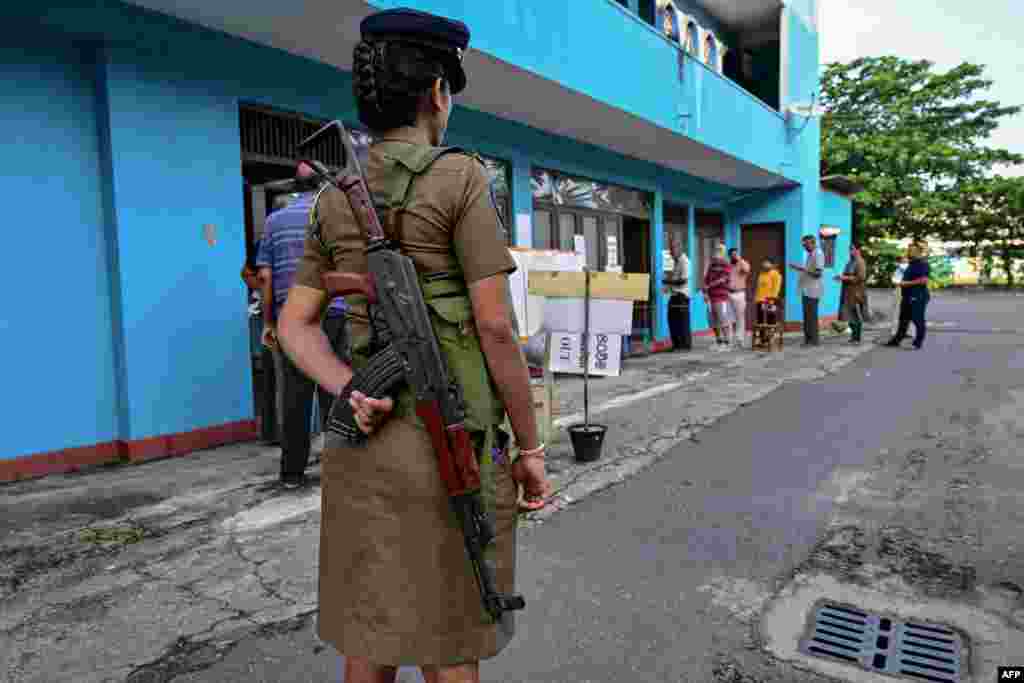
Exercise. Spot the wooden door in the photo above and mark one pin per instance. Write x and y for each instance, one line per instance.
(760, 241)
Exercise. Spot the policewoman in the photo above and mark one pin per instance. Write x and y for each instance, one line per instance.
(396, 586)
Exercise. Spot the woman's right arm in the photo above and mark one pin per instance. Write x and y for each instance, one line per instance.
(298, 326)
(303, 338)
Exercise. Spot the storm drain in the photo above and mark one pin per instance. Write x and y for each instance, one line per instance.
(905, 649)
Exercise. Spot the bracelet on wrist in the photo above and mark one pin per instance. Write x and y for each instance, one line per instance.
(539, 450)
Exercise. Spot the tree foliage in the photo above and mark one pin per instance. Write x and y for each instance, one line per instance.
(915, 138)
(990, 217)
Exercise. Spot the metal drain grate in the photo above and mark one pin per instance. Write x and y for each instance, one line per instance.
(906, 649)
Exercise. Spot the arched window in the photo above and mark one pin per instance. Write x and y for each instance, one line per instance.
(670, 22)
(711, 51)
(692, 37)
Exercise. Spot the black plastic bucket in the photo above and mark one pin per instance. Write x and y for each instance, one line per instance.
(587, 441)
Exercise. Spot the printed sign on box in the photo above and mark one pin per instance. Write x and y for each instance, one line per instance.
(605, 354)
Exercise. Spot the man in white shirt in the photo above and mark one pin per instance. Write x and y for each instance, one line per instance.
(811, 288)
(677, 287)
(897, 278)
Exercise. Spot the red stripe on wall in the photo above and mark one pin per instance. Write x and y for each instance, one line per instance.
(73, 459)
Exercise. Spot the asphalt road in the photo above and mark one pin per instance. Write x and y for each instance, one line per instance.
(658, 579)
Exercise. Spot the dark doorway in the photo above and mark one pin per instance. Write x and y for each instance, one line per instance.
(760, 241)
(637, 259)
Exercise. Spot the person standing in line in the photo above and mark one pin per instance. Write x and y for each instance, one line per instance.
(280, 250)
(716, 292)
(766, 299)
(739, 278)
(914, 297)
(897, 278)
(811, 288)
(679, 297)
(396, 587)
(268, 384)
(854, 277)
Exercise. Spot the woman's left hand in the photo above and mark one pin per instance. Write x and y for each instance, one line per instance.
(369, 412)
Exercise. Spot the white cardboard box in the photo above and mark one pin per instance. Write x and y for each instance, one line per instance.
(529, 309)
(605, 354)
(607, 316)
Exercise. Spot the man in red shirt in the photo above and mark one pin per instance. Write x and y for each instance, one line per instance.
(716, 289)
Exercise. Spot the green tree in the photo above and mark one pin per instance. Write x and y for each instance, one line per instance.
(991, 218)
(912, 136)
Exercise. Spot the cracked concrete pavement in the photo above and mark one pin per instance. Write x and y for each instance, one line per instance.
(223, 554)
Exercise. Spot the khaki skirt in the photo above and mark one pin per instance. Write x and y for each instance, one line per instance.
(396, 586)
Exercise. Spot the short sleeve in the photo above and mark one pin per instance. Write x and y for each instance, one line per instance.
(479, 236)
(315, 259)
(263, 252)
(333, 241)
(314, 262)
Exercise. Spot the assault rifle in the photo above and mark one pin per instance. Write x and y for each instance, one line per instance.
(405, 351)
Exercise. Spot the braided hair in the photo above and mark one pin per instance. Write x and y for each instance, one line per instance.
(390, 78)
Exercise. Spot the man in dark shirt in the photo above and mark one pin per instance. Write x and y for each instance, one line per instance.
(280, 250)
(915, 297)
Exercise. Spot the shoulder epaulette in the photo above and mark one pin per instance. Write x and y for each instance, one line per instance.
(314, 224)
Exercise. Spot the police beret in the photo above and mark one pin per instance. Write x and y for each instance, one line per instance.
(420, 27)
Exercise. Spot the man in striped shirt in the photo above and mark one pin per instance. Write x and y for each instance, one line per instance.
(281, 248)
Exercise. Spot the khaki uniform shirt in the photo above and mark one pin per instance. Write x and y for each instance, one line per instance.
(450, 223)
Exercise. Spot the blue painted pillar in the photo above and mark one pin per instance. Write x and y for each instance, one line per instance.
(698, 316)
(659, 312)
(522, 199)
(795, 229)
(732, 231)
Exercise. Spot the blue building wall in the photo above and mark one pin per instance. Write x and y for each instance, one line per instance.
(143, 114)
(837, 211)
(56, 325)
(567, 42)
